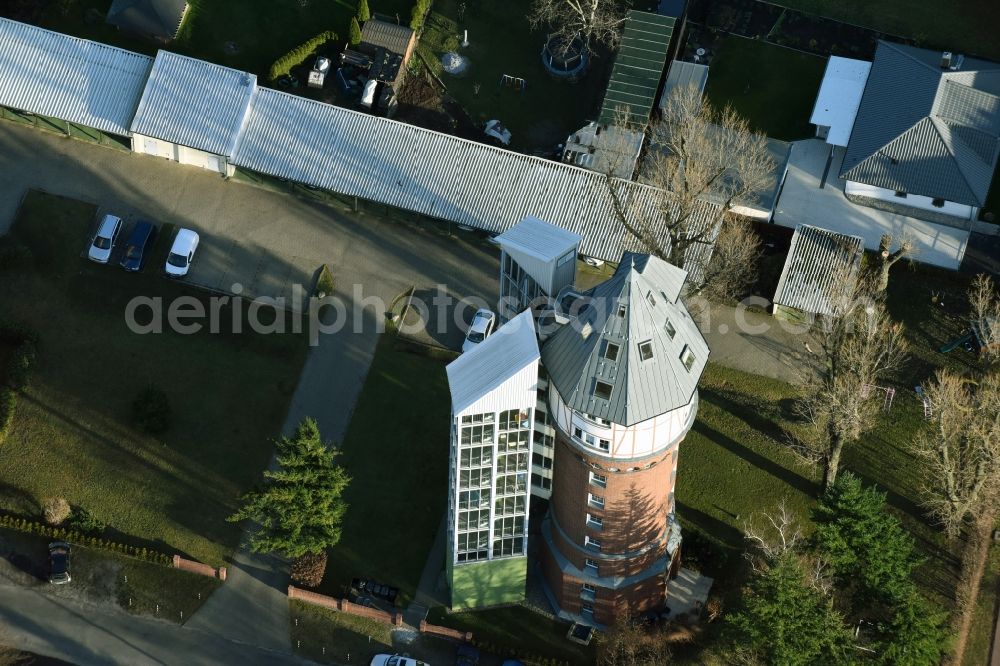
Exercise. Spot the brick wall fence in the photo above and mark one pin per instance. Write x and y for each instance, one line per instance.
(395, 618)
(445, 632)
(199, 568)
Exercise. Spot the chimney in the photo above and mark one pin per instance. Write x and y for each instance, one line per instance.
(946, 60)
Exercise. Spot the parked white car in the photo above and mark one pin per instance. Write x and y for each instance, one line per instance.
(103, 242)
(182, 253)
(482, 325)
(395, 660)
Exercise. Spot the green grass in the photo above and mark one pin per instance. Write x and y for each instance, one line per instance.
(774, 88)
(516, 628)
(966, 28)
(104, 577)
(396, 450)
(73, 436)
(502, 42)
(263, 30)
(326, 635)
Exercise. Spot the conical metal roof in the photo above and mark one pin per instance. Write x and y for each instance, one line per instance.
(632, 352)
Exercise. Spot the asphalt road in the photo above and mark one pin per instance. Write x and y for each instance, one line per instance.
(88, 634)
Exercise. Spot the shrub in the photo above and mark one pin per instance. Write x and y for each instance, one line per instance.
(420, 9)
(55, 510)
(308, 569)
(151, 411)
(363, 12)
(8, 401)
(283, 65)
(41, 529)
(82, 520)
(354, 31)
(324, 283)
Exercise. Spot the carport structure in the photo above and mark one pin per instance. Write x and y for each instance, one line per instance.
(69, 85)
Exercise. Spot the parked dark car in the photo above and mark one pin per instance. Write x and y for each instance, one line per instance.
(467, 655)
(59, 552)
(138, 245)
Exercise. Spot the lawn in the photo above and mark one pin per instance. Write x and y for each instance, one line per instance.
(502, 42)
(771, 86)
(103, 577)
(262, 30)
(326, 635)
(73, 435)
(967, 27)
(396, 450)
(517, 628)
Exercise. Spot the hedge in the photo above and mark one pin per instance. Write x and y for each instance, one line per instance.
(419, 13)
(72, 536)
(283, 65)
(17, 372)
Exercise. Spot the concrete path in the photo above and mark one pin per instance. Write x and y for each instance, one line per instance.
(758, 343)
(807, 199)
(429, 593)
(90, 635)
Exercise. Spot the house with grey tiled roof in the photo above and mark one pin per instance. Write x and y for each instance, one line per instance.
(926, 137)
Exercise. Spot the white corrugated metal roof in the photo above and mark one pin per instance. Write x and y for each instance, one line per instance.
(194, 103)
(539, 239)
(486, 367)
(434, 174)
(839, 97)
(69, 78)
(819, 262)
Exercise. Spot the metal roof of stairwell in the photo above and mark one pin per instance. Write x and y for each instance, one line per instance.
(73, 79)
(638, 309)
(195, 103)
(485, 367)
(924, 129)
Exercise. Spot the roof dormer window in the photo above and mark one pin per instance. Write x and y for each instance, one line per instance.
(651, 298)
(602, 390)
(646, 350)
(611, 350)
(687, 358)
(669, 328)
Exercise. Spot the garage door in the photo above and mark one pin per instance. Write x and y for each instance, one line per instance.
(198, 158)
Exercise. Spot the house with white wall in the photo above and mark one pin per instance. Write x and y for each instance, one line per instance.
(923, 137)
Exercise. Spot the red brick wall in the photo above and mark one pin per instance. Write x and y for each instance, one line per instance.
(344, 606)
(199, 568)
(445, 631)
(636, 506)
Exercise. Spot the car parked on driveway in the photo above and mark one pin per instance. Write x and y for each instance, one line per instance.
(182, 253)
(395, 660)
(103, 242)
(137, 246)
(480, 329)
(59, 552)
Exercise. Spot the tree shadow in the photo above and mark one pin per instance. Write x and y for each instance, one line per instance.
(781, 473)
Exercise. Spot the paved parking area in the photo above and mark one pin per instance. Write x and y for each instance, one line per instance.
(803, 201)
(263, 240)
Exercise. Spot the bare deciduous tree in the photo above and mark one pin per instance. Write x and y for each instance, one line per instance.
(704, 162)
(985, 305)
(961, 451)
(629, 644)
(771, 535)
(862, 345)
(961, 465)
(595, 21)
(889, 257)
